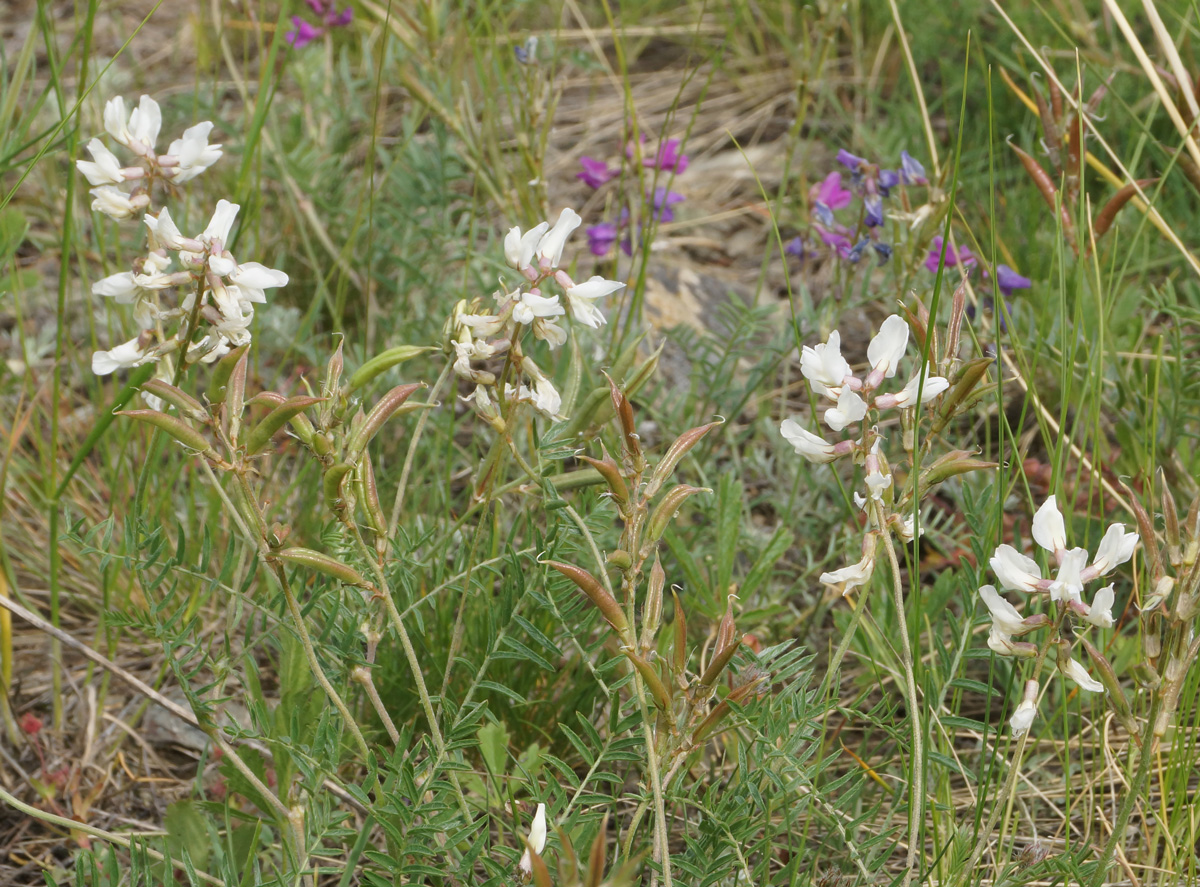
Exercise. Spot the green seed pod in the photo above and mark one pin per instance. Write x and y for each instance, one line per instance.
(262, 433)
(654, 683)
(612, 476)
(235, 397)
(218, 384)
(620, 559)
(965, 381)
(388, 405)
(176, 428)
(383, 362)
(679, 653)
(335, 475)
(187, 405)
(323, 563)
(333, 372)
(652, 607)
(596, 593)
(665, 511)
(677, 450)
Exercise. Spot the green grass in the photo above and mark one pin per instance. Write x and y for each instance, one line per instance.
(380, 167)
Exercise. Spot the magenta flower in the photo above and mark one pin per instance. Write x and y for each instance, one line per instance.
(601, 238)
(831, 238)
(795, 247)
(831, 193)
(668, 157)
(1008, 280)
(595, 172)
(302, 33)
(963, 256)
(663, 201)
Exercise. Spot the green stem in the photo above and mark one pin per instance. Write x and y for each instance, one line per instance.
(401, 488)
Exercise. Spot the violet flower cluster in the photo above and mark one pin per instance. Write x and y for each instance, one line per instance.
(304, 32)
(1018, 572)
(218, 291)
(474, 336)
(667, 157)
(1008, 281)
(870, 185)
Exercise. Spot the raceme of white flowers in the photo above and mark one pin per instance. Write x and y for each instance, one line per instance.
(537, 255)
(201, 266)
(849, 399)
(1018, 572)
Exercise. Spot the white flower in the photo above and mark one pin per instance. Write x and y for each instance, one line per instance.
(1100, 612)
(104, 168)
(536, 840)
(1005, 617)
(129, 354)
(518, 249)
(140, 131)
(1067, 585)
(1115, 548)
(887, 347)
(114, 203)
(116, 121)
(532, 305)
(1076, 672)
(850, 408)
(118, 287)
(165, 231)
(1015, 571)
(849, 578)
(904, 526)
(934, 385)
(1022, 718)
(219, 226)
(807, 444)
(581, 299)
(251, 278)
(1049, 531)
(193, 153)
(876, 480)
(824, 366)
(545, 396)
(550, 247)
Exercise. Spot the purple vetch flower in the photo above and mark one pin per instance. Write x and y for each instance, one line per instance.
(595, 172)
(340, 19)
(854, 254)
(795, 247)
(1008, 280)
(883, 251)
(839, 242)
(874, 206)
(911, 170)
(850, 161)
(963, 256)
(823, 214)
(527, 53)
(888, 179)
(302, 33)
(663, 201)
(668, 157)
(601, 238)
(831, 193)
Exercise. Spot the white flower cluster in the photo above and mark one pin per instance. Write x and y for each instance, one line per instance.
(201, 265)
(1018, 572)
(829, 375)
(137, 131)
(537, 255)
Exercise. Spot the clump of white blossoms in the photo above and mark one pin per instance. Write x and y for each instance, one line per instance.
(137, 131)
(1018, 572)
(474, 336)
(851, 400)
(189, 295)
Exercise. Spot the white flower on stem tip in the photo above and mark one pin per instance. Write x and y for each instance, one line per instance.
(1076, 672)
(1068, 584)
(1005, 617)
(848, 578)
(217, 232)
(903, 526)
(104, 168)
(850, 408)
(581, 299)
(887, 347)
(1002, 644)
(811, 446)
(140, 131)
(121, 288)
(536, 840)
(550, 247)
(824, 366)
(465, 352)
(167, 233)
(192, 154)
(128, 354)
(519, 248)
(1049, 530)
(252, 278)
(906, 397)
(546, 398)
(532, 305)
(1100, 612)
(876, 480)
(1015, 571)
(1115, 548)
(116, 204)
(1022, 718)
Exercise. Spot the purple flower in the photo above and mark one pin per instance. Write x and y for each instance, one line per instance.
(339, 19)
(854, 254)
(874, 207)
(795, 247)
(302, 33)
(850, 161)
(831, 193)
(888, 179)
(601, 238)
(1008, 280)
(631, 148)
(831, 238)
(663, 201)
(668, 157)
(883, 251)
(595, 172)
(317, 6)
(527, 53)
(911, 170)
(823, 214)
(963, 256)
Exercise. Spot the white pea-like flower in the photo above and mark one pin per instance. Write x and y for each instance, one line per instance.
(1116, 547)
(519, 248)
(1022, 718)
(1015, 571)
(1005, 617)
(824, 366)
(192, 154)
(907, 396)
(104, 168)
(550, 248)
(887, 347)
(1049, 529)
(848, 578)
(126, 355)
(1100, 613)
(1073, 669)
(116, 204)
(850, 408)
(536, 840)
(1068, 584)
(139, 131)
(811, 446)
(582, 297)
